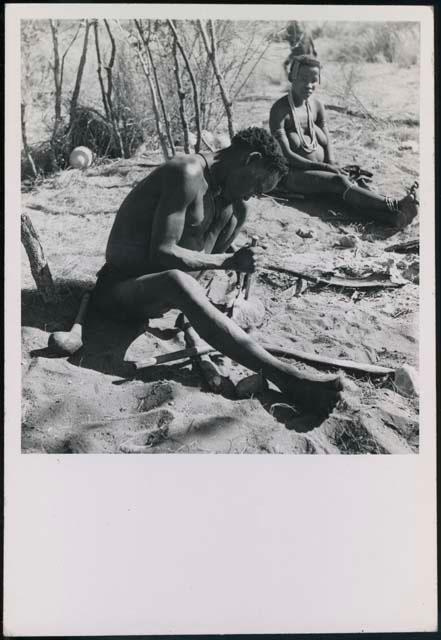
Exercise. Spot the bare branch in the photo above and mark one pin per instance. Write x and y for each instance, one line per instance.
(252, 68)
(100, 75)
(211, 52)
(158, 86)
(137, 47)
(81, 64)
(181, 95)
(197, 116)
(63, 58)
(108, 69)
(25, 141)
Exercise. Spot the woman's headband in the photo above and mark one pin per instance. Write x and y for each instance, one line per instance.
(299, 61)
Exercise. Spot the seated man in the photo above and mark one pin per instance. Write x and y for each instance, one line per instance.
(297, 121)
(183, 218)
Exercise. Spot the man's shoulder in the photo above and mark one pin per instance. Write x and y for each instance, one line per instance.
(187, 166)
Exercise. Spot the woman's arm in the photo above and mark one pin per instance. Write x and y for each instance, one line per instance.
(321, 123)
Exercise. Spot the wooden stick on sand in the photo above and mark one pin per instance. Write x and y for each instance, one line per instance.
(310, 358)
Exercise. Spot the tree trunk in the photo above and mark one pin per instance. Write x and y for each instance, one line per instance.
(25, 141)
(100, 75)
(77, 87)
(39, 266)
(56, 69)
(109, 68)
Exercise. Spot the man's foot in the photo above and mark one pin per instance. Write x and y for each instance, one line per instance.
(407, 208)
(315, 395)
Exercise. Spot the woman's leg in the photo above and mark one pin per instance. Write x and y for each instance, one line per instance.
(381, 209)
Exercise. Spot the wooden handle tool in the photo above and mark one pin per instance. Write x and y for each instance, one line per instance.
(249, 276)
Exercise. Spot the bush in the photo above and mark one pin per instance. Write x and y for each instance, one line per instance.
(375, 42)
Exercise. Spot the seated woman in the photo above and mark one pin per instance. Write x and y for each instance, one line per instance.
(297, 121)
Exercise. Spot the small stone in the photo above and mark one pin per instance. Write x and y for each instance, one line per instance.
(304, 234)
(406, 381)
(347, 242)
(408, 145)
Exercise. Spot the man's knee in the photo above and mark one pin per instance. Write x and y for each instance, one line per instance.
(180, 283)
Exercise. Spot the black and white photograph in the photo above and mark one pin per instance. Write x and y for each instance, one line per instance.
(220, 229)
(219, 239)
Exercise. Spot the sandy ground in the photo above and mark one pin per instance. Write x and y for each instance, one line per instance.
(96, 402)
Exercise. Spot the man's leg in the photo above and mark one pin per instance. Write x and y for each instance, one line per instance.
(381, 209)
(176, 289)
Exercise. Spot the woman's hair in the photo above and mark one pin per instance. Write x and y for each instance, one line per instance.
(257, 139)
(300, 61)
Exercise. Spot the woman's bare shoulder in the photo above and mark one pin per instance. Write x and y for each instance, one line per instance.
(317, 103)
(281, 105)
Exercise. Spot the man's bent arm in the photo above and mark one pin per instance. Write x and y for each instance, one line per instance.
(225, 240)
(169, 226)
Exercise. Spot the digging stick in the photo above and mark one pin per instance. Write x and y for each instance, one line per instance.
(335, 281)
(348, 365)
(69, 342)
(182, 354)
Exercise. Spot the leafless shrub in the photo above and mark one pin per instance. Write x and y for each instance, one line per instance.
(393, 42)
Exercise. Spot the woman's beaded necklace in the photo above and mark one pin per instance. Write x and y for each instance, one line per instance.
(308, 147)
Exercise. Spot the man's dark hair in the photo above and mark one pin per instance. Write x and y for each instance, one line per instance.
(257, 139)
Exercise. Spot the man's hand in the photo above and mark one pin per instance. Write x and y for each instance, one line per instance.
(246, 260)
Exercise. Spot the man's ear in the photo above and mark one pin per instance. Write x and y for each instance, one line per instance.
(254, 156)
